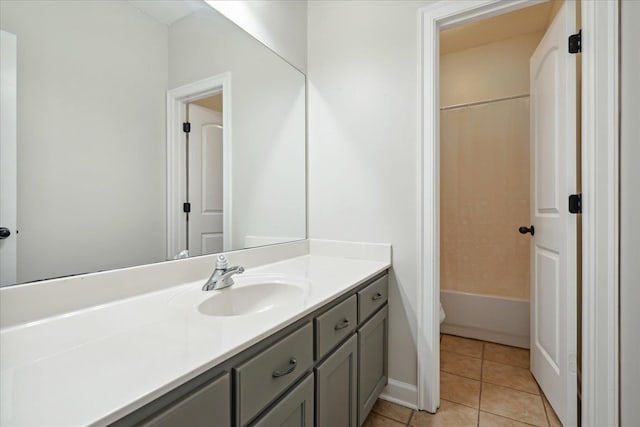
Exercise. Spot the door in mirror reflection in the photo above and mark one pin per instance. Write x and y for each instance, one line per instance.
(205, 187)
(8, 230)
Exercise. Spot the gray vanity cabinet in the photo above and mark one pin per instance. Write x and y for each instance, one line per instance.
(325, 370)
(337, 387)
(294, 410)
(372, 360)
(209, 406)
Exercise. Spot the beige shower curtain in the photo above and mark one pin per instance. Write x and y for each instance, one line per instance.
(484, 198)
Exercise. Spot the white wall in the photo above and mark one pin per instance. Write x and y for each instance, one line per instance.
(629, 208)
(279, 24)
(363, 165)
(74, 131)
(268, 116)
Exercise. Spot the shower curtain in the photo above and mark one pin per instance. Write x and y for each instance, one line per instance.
(484, 198)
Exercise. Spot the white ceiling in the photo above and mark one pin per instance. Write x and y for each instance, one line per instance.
(168, 11)
(524, 21)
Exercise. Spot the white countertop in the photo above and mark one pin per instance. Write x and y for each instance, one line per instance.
(93, 366)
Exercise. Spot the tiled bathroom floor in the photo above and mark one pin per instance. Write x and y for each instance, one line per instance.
(482, 385)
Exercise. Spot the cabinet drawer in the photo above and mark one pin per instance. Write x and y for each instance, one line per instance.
(372, 297)
(261, 379)
(335, 325)
(209, 406)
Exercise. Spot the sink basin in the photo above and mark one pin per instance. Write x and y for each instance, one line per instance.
(251, 299)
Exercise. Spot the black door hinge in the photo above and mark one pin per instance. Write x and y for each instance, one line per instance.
(186, 207)
(575, 203)
(186, 127)
(575, 42)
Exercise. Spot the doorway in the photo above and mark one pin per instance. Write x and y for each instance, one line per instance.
(486, 215)
(204, 176)
(553, 265)
(199, 167)
(599, 130)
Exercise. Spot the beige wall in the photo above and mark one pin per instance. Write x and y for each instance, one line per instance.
(489, 71)
(485, 169)
(212, 102)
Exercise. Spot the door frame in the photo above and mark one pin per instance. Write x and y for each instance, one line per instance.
(177, 100)
(600, 183)
(601, 213)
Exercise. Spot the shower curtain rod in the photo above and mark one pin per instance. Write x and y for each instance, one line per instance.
(470, 104)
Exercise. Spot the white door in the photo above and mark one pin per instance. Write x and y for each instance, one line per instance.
(553, 250)
(205, 181)
(8, 166)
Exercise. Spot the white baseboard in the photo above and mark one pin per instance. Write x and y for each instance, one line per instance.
(401, 393)
(487, 318)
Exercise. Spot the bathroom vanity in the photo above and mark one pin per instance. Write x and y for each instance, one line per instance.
(300, 339)
(333, 360)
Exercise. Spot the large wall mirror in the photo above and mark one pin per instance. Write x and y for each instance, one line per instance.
(140, 131)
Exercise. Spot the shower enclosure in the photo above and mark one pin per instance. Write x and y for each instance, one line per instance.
(484, 198)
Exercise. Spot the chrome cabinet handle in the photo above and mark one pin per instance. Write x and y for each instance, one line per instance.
(342, 325)
(282, 372)
(376, 296)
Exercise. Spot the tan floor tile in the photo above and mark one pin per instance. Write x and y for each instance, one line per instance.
(509, 376)
(553, 419)
(464, 346)
(458, 364)
(513, 404)
(507, 355)
(393, 411)
(459, 390)
(449, 414)
(375, 420)
(491, 420)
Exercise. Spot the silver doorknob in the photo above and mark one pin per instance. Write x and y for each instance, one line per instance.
(4, 232)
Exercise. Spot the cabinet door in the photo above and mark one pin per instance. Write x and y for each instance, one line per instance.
(337, 388)
(294, 410)
(372, 363)
(209, 406)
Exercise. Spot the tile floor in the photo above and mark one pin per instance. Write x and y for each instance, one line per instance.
(481, 385)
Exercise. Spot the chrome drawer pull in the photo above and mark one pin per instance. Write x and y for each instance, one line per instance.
(342, 325)
(376, 296)
(282, 372)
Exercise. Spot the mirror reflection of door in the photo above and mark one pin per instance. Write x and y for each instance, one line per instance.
(205, 192)
(8, 164)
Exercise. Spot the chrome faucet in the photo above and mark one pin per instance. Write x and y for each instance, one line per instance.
(221, 276)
